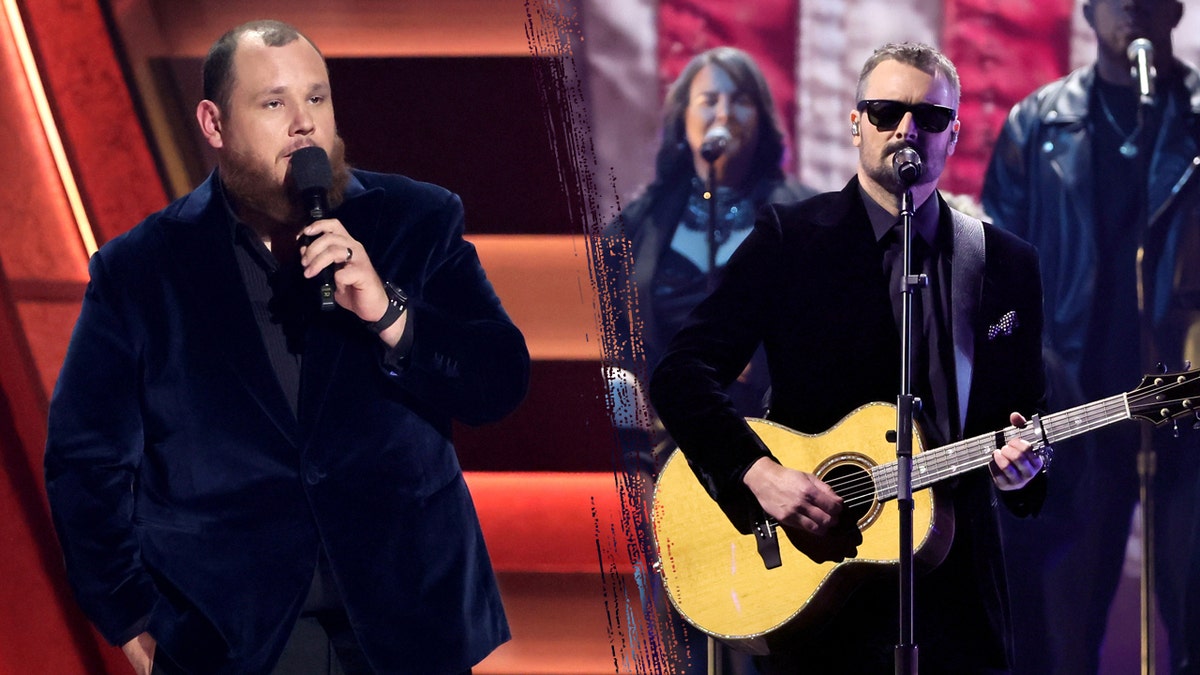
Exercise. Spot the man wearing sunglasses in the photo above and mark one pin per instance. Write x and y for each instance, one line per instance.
(818, 284)
(1108, 189)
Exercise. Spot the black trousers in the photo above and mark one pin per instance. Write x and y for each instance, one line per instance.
(320, 644)
(322, 641)
(317, 646)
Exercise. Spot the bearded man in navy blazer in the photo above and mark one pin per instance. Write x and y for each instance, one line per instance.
(243, 483)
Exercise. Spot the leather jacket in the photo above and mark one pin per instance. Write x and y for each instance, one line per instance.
(1040, 186)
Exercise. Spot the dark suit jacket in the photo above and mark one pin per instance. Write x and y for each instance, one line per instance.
(809, 285)
(191, 502)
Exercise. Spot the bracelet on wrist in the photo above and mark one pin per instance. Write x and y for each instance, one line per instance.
(397, 303)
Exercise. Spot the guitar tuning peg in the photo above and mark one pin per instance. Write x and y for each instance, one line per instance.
(1175, 428)
(1196, 424)
(1187, 365)
(1160, 367)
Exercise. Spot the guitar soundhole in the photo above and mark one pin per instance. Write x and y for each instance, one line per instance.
(850, 477)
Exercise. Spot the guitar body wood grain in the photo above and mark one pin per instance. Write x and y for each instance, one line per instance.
(715, 576)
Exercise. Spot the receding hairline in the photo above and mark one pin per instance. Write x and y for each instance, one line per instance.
(922, 57)
(218, 71)
(271, 34)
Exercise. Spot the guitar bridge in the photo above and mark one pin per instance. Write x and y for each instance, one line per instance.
(768, 543)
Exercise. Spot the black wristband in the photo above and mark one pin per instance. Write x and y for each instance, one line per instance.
(397, 303)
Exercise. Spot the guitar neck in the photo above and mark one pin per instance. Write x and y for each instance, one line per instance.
(951, 460)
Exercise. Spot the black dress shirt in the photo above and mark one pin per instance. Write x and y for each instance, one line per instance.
(932, 372)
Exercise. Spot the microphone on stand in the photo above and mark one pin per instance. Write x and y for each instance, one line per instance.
(1141, 60)
(906, 163)
(1141, 69)
(313, 178)
(716, 140)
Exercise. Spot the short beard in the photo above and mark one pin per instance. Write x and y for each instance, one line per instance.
(257, 198)
(885, 174)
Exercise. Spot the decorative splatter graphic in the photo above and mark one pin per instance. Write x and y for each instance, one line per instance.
(642, 639)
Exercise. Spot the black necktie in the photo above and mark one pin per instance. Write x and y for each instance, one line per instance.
(929, 381)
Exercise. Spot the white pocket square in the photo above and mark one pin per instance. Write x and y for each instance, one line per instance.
(1005, 326)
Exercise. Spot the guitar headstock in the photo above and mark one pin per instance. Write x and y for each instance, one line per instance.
(1161, 398)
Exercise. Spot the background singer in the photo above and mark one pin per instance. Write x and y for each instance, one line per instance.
(720, 92)
(1097, 181)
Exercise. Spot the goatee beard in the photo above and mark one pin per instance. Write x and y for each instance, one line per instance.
(259, 200)
(884, 173)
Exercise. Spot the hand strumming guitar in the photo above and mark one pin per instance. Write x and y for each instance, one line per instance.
(807, 508)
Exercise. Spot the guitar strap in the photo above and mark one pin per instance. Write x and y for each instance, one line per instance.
(966, 289)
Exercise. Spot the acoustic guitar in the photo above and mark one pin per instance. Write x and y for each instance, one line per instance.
(751, 590)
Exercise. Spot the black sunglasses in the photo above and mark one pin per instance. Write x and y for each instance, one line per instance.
(886, 115)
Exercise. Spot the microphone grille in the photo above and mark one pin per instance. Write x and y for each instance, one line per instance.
(717, 134)
(1140, 45)
(907, 165)
(311, 170)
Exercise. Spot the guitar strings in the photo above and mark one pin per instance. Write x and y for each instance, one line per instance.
(865, 484)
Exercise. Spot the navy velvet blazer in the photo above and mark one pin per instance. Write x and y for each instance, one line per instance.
(191, 502)
(809, 285)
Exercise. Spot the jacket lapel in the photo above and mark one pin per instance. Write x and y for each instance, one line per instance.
(327, 334)
(210, 286)
(1177, 151)
(1068, 147)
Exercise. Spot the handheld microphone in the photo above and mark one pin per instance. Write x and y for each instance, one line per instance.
(313, 178)
(906, 164)
(1141, 59)
(716, 140)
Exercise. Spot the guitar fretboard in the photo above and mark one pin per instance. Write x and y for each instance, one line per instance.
(938, 464)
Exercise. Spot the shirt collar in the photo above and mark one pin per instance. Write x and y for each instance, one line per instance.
(240, 233)
(925, 219)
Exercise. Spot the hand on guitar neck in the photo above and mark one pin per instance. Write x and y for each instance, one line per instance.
(807, 508)
(1015, 464)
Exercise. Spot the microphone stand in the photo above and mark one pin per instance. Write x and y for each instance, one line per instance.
(711, 188)
(906, 407)
(715, 665)
(1147, 460)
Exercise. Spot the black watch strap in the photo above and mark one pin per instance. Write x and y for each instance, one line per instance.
(397, 303)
